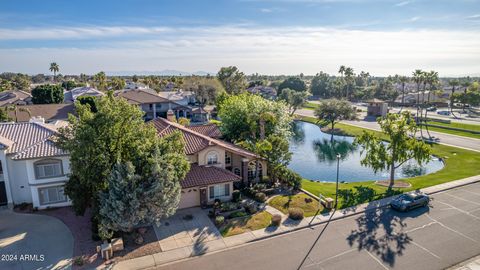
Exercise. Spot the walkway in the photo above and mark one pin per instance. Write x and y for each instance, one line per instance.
(287, 226)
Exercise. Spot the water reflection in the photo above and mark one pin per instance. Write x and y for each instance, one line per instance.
(314, 155)
(327, 149)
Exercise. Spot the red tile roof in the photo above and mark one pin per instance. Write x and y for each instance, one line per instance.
(207, 175)
(210, 130)
(195, 141)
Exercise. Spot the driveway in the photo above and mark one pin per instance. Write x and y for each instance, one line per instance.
(196, 234)
(29, 241)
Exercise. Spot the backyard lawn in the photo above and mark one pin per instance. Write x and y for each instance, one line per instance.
(459, 163)
(301, 200)
(310, 106)
(243, 224)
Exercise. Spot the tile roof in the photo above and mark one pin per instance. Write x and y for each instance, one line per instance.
(47, 111)
(29, 140)
(195, 141)
(207, 175)
(210, 130)
(141, 96)
(10, 97)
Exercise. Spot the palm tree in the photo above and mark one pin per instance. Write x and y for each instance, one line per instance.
(433, 80)
(466, 83)
(453, 83)
(342, 70)
(101, 80)
(418, 78)
(350, 79)
(403, 81)
(54, 67)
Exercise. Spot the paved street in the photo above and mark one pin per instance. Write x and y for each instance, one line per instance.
(447, 139)
(446, 233)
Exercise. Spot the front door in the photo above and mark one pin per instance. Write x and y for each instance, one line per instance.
(203, 197)
(3, 194)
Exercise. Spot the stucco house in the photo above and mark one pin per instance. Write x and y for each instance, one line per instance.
(32, 169)
(216, 165)
(84, 91)
(157, 104)
(15, 97)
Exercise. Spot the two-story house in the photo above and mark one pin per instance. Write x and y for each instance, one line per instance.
(32, 169)
(215, 164)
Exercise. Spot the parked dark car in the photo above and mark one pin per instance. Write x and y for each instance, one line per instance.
(407, 202)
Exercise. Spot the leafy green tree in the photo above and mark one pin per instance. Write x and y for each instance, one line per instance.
(319, 85)
(294, 99)
(289, 178)
(232, 79)
(98, 141)
(184, 121)
(54, 67)
(401, 147)
(47, 94)
(116, 83)
(293, 83)
(5, 85)
(90, 100)
(332, 111)
(4, 115)
(244, 118)
(277, 155)
(21, 82)
(206, 89)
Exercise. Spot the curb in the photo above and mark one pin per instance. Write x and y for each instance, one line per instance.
(316, 224)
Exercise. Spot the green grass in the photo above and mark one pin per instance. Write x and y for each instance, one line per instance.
(301, 200)
(459, 163)
(310, 106)
(455, 132)
(249, 223)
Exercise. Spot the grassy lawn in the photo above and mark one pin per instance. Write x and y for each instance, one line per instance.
(250, 223)
(459, 163)
(310, 106)
(456, 132)
(299, 200)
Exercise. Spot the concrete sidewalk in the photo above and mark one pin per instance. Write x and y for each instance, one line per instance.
(286, 226)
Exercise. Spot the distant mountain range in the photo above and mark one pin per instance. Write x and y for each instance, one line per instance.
(166, 72)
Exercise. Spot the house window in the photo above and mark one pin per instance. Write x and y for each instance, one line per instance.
(48, 168)
(219, 191)
(51, 195)
(228, 158)
(212, 158)
(237, 171)
(1, 167)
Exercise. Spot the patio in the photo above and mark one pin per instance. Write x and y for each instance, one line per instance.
(191, 229)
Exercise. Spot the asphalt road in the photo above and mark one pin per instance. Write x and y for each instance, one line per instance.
(437, 237)
(447, 139)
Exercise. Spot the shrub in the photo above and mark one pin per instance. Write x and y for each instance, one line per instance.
(276, 220)
(79, 261)
(260, 197)
(219, 220)
(259, 187)
(229, 206)
(251, 208)
(238, 214)
(308, 200)
(295, 213)
(236, 195)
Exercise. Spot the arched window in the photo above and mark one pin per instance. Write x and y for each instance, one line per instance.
(212, 158)
(237, 171)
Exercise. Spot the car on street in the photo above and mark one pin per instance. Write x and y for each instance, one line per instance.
(443, 112)
(432, 109)
(410, 201)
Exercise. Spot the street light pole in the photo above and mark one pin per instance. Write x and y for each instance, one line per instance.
(336, 189)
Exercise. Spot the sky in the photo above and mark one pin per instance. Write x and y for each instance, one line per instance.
(383, 37)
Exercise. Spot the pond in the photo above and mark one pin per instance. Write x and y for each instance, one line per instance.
(314, 157)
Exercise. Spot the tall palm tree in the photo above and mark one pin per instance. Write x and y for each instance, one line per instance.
(466, 84)
(350, 80)
(418, 78)
(100, 80)
(432, 80)
(54, 67)
(453, 83)
(403, 80)
(342, 70)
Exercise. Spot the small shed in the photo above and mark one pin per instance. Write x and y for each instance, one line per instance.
(377, 107)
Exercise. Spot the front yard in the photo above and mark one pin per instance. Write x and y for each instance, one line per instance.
(240, 225)
(301, 200)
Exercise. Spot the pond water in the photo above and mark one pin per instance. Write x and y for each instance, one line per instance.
(314, 157)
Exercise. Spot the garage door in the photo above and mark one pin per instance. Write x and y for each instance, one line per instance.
(189, 198)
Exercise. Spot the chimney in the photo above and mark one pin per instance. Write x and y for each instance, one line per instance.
(171, 116)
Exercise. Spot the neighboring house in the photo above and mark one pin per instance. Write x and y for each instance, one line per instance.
(412, 98)
(215, 165)
(135, 85)
(181, 97)
(264, 91)
(47, 112)
(72, 95)
(15, 97)
(32, 169)
(157, 104)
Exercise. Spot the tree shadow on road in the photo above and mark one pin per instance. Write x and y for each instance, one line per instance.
(381, 232)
